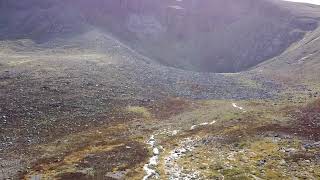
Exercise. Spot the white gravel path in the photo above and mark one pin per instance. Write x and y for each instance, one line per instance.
(150, 167)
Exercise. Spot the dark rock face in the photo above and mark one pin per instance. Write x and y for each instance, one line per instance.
(198, 35)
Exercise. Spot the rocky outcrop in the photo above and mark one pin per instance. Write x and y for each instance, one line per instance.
(198, 35)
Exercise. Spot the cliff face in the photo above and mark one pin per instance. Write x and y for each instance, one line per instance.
(199, 35)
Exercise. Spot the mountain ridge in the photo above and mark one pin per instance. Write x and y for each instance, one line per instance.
(253, 30)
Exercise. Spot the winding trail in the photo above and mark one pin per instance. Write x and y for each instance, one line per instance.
(202, 124)
(172, 169)
(238, 107)
(187, 145)
(150, 167)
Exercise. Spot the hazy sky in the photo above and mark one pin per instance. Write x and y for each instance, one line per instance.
(307, 1)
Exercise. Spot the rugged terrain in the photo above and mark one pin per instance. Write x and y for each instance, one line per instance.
(206, 36)
(96, 92)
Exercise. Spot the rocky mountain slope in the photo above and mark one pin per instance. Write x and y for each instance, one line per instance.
(207, 35)
(87, 91)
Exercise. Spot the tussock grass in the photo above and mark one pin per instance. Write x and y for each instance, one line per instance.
(138, 110)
